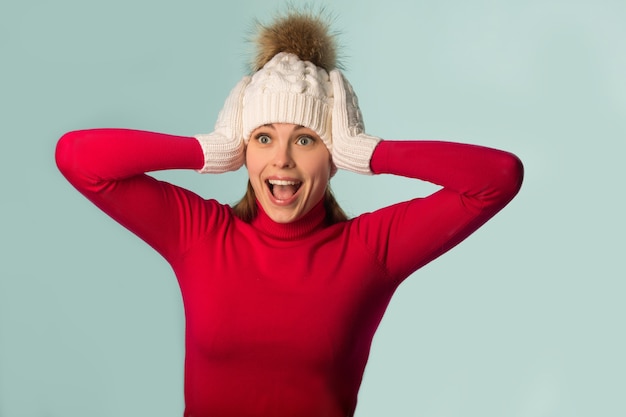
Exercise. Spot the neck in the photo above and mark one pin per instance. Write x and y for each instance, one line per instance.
(312, 221)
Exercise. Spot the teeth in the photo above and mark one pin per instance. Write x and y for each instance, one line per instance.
(283, 182)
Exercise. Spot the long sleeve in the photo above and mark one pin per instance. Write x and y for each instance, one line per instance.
(109, 167)
(476, 182)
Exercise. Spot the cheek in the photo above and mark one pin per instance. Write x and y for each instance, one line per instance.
(326, 166)
(253, 163)
(253, 175)
(321, 170)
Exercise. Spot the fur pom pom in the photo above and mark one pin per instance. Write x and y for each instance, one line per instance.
(303, 33)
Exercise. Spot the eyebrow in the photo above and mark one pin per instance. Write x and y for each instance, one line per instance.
(297, 127)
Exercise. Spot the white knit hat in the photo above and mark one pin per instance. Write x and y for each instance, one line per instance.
(296, 80)
(289, 90)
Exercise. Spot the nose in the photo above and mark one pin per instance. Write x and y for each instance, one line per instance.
(282, 155)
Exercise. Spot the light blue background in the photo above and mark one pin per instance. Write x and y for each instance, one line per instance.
(524, 319)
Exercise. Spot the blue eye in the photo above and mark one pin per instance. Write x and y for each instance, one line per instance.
(263, 139)
(305, 140)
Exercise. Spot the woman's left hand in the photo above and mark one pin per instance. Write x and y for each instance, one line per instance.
(352, 148)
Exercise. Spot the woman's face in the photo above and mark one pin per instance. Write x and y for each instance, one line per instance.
(289, 169)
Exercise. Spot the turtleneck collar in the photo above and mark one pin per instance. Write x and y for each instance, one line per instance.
(312, 221)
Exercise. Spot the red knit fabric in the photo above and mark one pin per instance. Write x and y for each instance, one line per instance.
(280, 317)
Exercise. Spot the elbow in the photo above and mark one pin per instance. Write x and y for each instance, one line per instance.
(510, 178)
(514, 172)
(66, 154)
(63, 152)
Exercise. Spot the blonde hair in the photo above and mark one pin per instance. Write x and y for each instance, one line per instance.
(246, 209)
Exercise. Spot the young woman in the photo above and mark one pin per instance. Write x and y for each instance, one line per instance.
(282, 293)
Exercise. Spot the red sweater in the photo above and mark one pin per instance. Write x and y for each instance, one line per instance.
(280, 317)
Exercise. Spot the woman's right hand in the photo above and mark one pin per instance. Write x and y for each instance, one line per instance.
(224, 148)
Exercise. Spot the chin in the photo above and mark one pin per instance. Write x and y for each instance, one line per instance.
(283, 217)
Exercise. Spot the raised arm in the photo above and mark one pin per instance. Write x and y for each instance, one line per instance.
(476, 181)
(485, 179)
(108, 167)
(89, 158)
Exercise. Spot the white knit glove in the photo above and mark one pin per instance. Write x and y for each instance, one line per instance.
(352, 148)
(224, 147)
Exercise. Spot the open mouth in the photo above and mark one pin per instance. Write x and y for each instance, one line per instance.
(283, 189)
